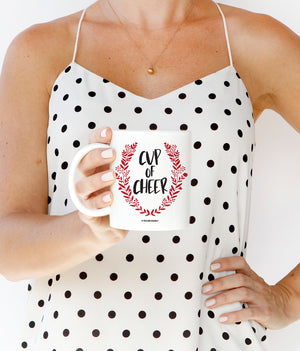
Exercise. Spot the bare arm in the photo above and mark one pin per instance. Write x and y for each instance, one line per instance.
(32, 243)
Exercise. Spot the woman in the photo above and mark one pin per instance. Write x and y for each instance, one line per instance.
(126, 65)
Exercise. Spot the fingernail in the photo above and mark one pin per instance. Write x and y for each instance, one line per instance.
(103, 133)
(223, 319)
(106, 198)
(206, 288)
(215, 266)
(210, 302)
(107, 153)
(106, 177)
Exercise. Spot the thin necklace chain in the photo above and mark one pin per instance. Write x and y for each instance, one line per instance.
(151, 69)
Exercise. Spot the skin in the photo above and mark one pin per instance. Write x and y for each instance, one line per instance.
(265, 53)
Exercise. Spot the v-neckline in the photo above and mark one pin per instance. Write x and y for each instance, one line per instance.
(142, 98)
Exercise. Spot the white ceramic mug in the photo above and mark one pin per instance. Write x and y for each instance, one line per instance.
(152, 189)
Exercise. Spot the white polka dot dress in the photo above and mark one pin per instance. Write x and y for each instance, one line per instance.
(144, 294)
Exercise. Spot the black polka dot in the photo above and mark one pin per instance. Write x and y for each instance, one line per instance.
(83, 275)
(238, 75)
(217, 241)
(95, 333)
(212, 96)
(97, 295)
(225, 336)
(211, 277)
(201, 275)
(68, 294)
(214, 126)
(168, 110)
(248, 341)
(158, 296)
(194, 182)
(192, 220)
(183, 127)
(198, 82)
(198, 110)
(99, 257)
(68, 69)
(182, 96)
(174, 277)
(176, 239)
(188, 295)
(204, 238)
(172, 315)
(31, 324)
(41, 303)
(45, 335)
(66, 332)
(233, 169)
(186, 333)
(156, 333)
(64, 128)
(190, 257)
(211, 314)
(245, 158)
(112, 314)
(240, 133)
(138, 110)
(24, 345)
(238, 101)
(227, 112)
(107, 109)
(210, 163)
(146, 239)
(128, 295)
(78, 108)
(81, 313)
(144, 276)
(264, 338)
(142, 314)
(160, 258)
(226, 146)
(219, 183)
(54, 117)
(78, 80)
(129, 258)
(55, 315)
(66, 97)
(234, 250)
(225, 205)
(122, 126)
(121, 94)
(126, 333)
(197, 145)
(113, 277)
(153, 126)
(92, 125)
(92, 94)
(226, 83)
(231, 228)
(207, 201)
(76, 143)
(55, 87)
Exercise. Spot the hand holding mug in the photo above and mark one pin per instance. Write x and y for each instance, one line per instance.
(93, 188)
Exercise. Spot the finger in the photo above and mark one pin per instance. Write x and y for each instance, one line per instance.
(232, 263)
(228, 282)
(94, 159)
(245, 314)
(102, 135)
(100, 201)
(241, 294)
(88, 185)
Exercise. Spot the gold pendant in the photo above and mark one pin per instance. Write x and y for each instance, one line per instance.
(150, 70)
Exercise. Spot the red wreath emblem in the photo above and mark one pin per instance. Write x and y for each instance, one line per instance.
(123, 176)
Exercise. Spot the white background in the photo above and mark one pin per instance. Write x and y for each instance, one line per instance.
(274, 242)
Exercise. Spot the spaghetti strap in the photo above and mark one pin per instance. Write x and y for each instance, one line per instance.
(77, 36)
(226, 33)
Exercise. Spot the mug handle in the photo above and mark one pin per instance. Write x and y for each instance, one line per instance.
(100, 212)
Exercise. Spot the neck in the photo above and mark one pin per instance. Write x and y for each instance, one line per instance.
(147, 14)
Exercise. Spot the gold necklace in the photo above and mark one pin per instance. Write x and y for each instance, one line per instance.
(150, 70)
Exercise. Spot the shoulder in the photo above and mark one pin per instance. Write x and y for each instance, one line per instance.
(43, 47)
(267, 53)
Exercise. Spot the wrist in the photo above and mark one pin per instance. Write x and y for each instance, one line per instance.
(289, 299)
